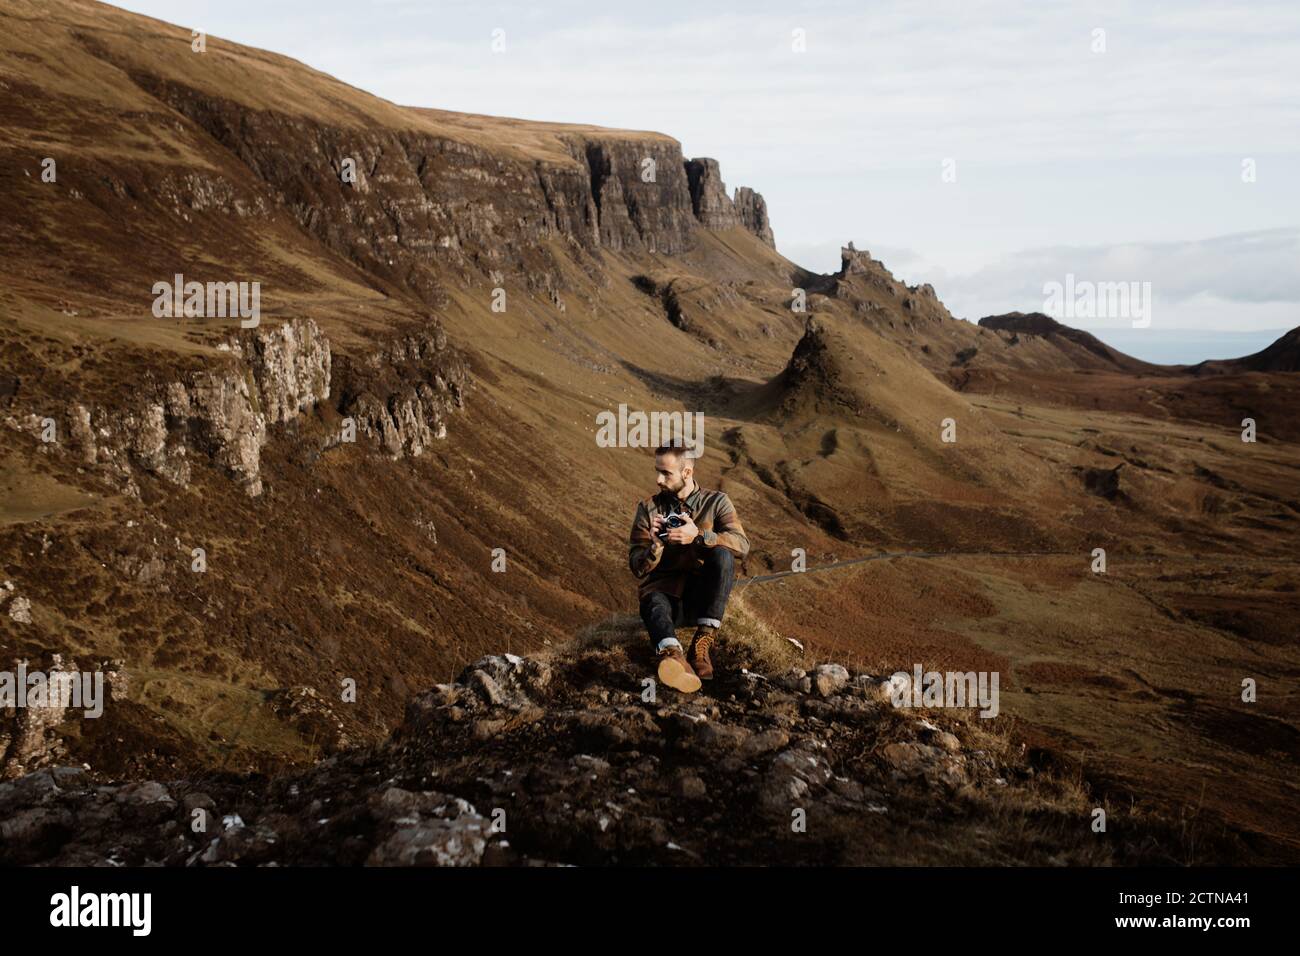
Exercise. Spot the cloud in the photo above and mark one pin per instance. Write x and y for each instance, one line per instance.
(1242, 280)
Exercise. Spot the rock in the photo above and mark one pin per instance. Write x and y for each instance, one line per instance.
(198, 801)
(752, 212)
(850, 790)
(20, 610)
(689, 786)
(897, 687)
(764, 742)
(142, 794)
(829, 679)
(33, 740)
(312, 715)
(591, 764)
(485, 729)
(487, 688)
(505, 680)
(34, 829)
(248, 845)
(906, 758)
(713, 736)
(792, 781)
(70, 778)
(709, 198)
(948, 742)
(605, 731)
(583, 777)
(431, 829)
(791, 680)
(34, 787)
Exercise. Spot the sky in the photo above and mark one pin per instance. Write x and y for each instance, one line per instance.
(988, 148)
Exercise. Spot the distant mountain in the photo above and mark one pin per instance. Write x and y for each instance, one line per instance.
(1282, 356)
(1080, 349)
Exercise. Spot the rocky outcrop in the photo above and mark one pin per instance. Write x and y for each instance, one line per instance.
(713, 208)
(856, 262)
(399, 395)
(751, 209)
(264, 376)
(578, 760)
(30, 739)
(641, 195)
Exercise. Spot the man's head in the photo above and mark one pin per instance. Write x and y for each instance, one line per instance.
(674, 467)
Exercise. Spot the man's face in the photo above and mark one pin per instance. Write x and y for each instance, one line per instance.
(672, 472)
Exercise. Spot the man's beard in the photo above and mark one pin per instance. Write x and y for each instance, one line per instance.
(674, 488)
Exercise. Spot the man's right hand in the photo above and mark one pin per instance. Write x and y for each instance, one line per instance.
(656, 524)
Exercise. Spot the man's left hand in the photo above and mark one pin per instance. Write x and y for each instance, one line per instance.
(684, 534)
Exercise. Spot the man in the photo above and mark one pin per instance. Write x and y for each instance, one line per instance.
(685, 542)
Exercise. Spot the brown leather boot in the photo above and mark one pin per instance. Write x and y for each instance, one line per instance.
(675, 671)
(700, 653)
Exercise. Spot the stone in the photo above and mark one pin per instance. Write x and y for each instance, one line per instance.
(948, 742)
(689, 786)
(506, 680)
(20, 610)
(829, 679)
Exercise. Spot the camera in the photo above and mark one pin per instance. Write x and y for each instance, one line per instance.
(670, 521)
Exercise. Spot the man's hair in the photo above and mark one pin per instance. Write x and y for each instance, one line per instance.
(679, 449)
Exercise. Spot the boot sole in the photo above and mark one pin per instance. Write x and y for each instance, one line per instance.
(677, 677)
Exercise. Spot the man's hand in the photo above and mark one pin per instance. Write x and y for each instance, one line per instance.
(684, 534)
(656, 522)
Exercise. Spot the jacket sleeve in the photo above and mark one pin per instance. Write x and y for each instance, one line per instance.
(644, 550)
(728, 532)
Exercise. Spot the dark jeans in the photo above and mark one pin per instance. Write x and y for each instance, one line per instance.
(703, 600)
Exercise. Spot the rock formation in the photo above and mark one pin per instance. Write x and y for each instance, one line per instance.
(528, 761)
(752, 211)
(709, 197)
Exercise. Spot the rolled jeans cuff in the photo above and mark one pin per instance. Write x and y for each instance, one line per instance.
(668, 642)
(710, 621)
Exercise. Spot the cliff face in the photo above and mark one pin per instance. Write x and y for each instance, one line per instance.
(416, 205)
(752, 210)
(709, 195)
(716, 211)
(397, 395)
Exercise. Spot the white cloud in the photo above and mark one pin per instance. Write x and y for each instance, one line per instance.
(1237, 282)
